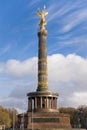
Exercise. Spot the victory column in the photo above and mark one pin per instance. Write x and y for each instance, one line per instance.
(43, 110)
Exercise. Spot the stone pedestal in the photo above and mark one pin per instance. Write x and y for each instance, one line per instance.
(46, 120)
(43, 112)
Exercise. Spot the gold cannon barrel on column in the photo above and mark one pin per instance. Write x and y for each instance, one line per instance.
(42, 53)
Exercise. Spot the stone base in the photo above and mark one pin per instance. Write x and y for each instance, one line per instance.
(48, 120)
(58, 129)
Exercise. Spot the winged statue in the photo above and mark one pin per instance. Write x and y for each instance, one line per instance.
(42, 15)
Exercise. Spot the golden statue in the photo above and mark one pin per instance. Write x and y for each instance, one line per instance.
(42, 15)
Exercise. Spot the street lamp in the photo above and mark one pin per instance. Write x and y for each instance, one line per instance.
(86, 122)
(79, 118)
(23, 121)
(23, 115)
(13, 119)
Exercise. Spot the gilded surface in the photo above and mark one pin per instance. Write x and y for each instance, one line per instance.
(42, 15)
(43, 84)
(42, 72)
(43, 60)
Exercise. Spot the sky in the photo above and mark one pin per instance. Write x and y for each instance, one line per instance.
(66, 49)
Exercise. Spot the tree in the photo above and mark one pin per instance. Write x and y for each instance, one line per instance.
(6, 117)
(77, 115)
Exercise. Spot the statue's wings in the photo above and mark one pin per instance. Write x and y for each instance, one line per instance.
(46, 13)
(39, 13)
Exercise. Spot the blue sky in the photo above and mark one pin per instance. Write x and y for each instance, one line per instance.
(66, 45)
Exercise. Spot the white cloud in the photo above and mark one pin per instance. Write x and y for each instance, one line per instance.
(18, 68)
(66, 69)
(58, 10)
(60, 67)
(79, 98)
(67, 15)
(32, 3)
(74, 19)
(67, 76)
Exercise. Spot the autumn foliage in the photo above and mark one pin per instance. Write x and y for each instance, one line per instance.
(77, 115)
(6, 117)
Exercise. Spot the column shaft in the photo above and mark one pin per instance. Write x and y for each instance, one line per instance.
(42, 62)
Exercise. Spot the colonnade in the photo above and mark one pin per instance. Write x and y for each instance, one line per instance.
(42, 102)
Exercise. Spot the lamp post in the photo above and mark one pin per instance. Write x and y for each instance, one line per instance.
(13, 120)
(23, 115)
(86, 122)
(32, 112)
(23, 120)
(79, 118)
